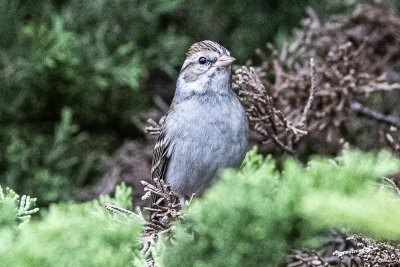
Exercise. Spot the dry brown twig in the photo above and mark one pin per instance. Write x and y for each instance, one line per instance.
(263, 117)
(351, 251)
(126, 214)
(372, 253)
(311, 258)
(163, 212)
(167, 207)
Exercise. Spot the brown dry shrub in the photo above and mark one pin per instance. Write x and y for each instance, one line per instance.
(370, 253)
(352, 56)
(347, 251)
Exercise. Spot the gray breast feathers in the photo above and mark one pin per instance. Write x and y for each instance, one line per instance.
(204, 136)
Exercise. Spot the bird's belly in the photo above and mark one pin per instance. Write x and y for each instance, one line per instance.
(201, 149)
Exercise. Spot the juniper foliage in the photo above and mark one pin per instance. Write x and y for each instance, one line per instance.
(72, 234)
(255, 215)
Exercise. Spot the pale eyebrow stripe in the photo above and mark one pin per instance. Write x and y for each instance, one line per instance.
(191, 63)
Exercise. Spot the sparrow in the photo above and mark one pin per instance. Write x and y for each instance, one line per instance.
(206, 127)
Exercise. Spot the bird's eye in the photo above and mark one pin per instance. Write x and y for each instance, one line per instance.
(202, 60)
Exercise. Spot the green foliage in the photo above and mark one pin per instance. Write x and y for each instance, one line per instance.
(80, 71)
(250, 217)
(396, 4)
(75, 235)
(46, 165)
(350, 179)
(14, 214)
(14, 210)
(253, 216)
(122, 198)
(9, 21)
(137, 23)
(90, 56)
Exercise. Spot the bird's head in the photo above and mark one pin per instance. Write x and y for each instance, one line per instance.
(207, 67)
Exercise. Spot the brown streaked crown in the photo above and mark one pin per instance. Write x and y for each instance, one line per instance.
(206, 45)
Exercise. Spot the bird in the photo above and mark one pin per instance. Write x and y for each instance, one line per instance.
(205, 129)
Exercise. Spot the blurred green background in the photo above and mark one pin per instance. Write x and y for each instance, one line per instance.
(76, 76)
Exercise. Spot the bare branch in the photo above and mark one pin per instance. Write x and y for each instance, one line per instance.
(312, 92)
(392, 120)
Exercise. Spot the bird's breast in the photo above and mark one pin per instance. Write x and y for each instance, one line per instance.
(204, 136)
(214, 121)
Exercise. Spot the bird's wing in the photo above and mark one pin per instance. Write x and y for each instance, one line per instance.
(160, 157)
(160, 162)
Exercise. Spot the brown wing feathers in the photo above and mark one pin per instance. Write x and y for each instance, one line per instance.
(160, 161)
(160, 158)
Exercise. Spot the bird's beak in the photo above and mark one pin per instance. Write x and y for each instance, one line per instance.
(224, 61)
